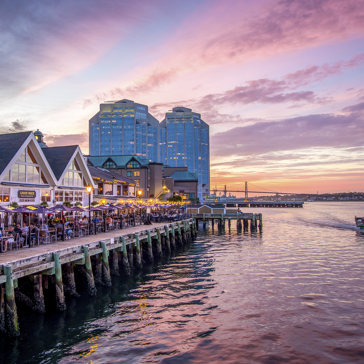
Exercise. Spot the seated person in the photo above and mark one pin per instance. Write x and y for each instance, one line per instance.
(17, 229)
(108, 221)
(33, 231)
(95, 219)
(51, 225)
(10, 239)
(68, 227)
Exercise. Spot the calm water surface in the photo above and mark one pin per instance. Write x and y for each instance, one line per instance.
(293, 294)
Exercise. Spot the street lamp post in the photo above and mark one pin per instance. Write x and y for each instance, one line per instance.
(89, 189)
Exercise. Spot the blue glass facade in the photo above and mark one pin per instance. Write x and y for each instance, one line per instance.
(124, 128)
(184, 142)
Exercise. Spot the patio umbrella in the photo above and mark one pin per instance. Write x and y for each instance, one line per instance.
(62, 208)
(21, 210)
(78, 209)
(43, 210)
(4, 209)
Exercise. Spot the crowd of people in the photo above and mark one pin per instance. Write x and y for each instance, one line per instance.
(27, 234)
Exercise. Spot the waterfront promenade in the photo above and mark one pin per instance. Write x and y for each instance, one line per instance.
(38, 250)
(57, 269)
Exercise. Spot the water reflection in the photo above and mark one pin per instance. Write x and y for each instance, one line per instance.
(293, 293)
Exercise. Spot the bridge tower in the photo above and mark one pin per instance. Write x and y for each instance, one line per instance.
(246, 190)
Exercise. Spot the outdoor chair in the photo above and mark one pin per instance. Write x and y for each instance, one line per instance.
(14, 243)
(59, 233)
(45, 237)
(34, 239)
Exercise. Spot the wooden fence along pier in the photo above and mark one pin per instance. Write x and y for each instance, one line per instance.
(25, 275)
(243, 220)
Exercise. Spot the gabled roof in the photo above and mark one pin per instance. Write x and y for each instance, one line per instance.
(108, 176)
(9, 146)
(120, 160)
(59, 157)
(184, 176)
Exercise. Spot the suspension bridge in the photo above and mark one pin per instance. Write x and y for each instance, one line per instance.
(246, 191)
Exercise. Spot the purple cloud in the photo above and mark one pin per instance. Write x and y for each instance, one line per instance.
(321, 130)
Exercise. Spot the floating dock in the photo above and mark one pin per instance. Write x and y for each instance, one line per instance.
(26, 274)
(243, 220)
(273, 204)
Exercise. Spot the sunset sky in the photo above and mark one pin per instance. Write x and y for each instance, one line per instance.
(279, 82)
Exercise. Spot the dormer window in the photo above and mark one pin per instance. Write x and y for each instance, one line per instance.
(133, 164)
(109, 165)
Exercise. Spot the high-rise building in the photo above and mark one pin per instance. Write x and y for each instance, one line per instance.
(124, 128)
(184, 141)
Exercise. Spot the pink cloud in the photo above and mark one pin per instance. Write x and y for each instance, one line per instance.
(67, 139)
(57, 40)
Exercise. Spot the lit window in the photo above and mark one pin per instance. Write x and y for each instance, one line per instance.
(133, 164)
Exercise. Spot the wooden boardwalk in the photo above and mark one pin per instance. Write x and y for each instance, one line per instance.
(59, 246)
(51, 267)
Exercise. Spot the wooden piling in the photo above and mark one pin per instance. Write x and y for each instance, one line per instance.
(115, 270)
(150, 256)
(204, 221)
(2, 309)
(172, 238)
(138, 255)
(38, 295)
(69, 280)
(106, 278)
(11, 314)
(98, 269)
(91, 287)
(125, 261)
(168, 239)
(260, 222)
(60, 299)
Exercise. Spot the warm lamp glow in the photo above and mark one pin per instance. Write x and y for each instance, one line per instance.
(88, 189)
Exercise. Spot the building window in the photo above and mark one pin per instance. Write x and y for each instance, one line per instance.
(68, 196)
(59, 196)
(77, 196)
(118, 190)
(137, 181)
(136, 173)
(129, 174)
(107, 189)
(133, 164)
(26, 169)
(4, 194)
(73, 175)
(46, 195)
(109, 165)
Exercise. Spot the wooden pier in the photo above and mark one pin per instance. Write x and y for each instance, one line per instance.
(57, 268)
(243, 220)
(269, 204)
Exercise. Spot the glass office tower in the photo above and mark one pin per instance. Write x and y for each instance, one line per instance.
(184, 142)
(124, 128)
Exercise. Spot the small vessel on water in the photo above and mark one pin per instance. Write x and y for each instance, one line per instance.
(359, 221)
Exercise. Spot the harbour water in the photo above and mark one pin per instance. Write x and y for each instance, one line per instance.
(291, 294)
